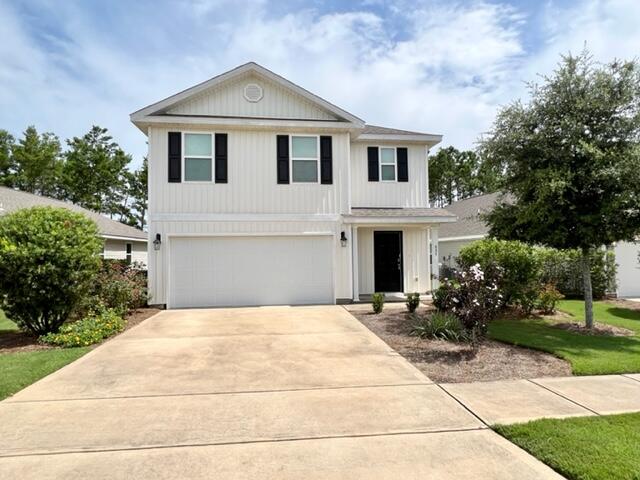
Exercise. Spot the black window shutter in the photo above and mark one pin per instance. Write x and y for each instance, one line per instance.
(372, 156)
(283, 158)
(326, 160)
(403, 164)
(175, 157)
(221, 157)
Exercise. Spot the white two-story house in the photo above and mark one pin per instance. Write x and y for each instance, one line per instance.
(262, 193)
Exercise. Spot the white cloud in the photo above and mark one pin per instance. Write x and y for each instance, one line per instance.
(432, 66)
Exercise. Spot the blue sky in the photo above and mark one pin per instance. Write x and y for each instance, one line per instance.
(434, 66)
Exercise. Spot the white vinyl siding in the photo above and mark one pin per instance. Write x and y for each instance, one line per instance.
(117, 250)
(413, 193)
(628, 274)
(228, 100)
(250, 270)
(254, 188)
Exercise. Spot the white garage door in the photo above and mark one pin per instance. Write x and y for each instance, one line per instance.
(236, 271)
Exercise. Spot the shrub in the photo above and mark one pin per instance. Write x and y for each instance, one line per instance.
(519, 265)
(413, 301)
(119, 286)
(548, 297)
(48, 259)
(92, 329)
(377, 302)
(441, 326)
(563, 269)
(472, 295)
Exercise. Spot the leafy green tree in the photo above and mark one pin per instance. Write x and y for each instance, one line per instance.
(572, 161)
(456, 175)
(135, 211)
(6, 158)
(36, 162)
(93, 173)
(49, 258)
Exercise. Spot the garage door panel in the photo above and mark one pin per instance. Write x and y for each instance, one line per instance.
(233, 271)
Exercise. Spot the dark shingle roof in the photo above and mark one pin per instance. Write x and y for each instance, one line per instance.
(12, 200)
(468, 212)
(400, 212)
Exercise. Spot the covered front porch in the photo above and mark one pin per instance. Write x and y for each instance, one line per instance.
(394, 250)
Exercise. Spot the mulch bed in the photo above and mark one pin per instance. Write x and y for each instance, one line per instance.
(448, 362)
(12, 342)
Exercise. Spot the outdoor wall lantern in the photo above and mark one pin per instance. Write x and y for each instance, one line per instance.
(343, 239)
(157, 242)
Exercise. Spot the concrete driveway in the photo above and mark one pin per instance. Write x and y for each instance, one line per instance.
(248, 393)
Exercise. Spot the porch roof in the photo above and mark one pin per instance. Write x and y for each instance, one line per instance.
(399, 215)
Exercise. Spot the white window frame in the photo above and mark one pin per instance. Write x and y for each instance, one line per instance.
(184, 156)
(292, 159)
(395, 163)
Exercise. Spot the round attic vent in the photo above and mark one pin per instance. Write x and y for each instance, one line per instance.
(253, 92)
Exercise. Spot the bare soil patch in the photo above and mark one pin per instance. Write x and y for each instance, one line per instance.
(448, 362)
(11, 342)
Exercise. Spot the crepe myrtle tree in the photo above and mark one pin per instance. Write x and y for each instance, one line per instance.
(571, 158)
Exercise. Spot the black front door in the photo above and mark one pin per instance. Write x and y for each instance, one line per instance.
(387, 261)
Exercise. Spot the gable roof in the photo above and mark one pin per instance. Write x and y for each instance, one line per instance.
(12, 200)
(250, 67)
(468, 211)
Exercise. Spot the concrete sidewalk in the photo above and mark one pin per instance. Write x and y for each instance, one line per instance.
(249, 393)
(514, 401)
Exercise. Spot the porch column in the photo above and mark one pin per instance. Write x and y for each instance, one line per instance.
(435, 257)
(354, 267)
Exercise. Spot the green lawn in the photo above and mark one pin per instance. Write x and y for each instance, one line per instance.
(21, 369)
(585, 448)
(6, 325)
(18, 370)
(588, 355)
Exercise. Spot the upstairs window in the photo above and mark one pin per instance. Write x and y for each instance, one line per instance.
(198, 157)
(388, 164)
(305, 159)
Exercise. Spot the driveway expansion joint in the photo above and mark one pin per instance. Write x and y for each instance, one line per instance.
(247, 442)
(9, 401)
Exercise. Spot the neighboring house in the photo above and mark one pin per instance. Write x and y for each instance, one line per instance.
(469, 228)
(628, 276)
(262, 193)
(120, 241)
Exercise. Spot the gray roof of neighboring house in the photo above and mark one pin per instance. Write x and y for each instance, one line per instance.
(400, 212)
(468, 212)
(375, 130)
(12, 200)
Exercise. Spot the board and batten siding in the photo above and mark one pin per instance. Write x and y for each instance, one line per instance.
(159, 260)
(227, 99)
(252, 184)
(413, 193)
(416, 270)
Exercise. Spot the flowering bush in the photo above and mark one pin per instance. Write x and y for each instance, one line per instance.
(472, 295)
(118, 286)
(95, 327)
